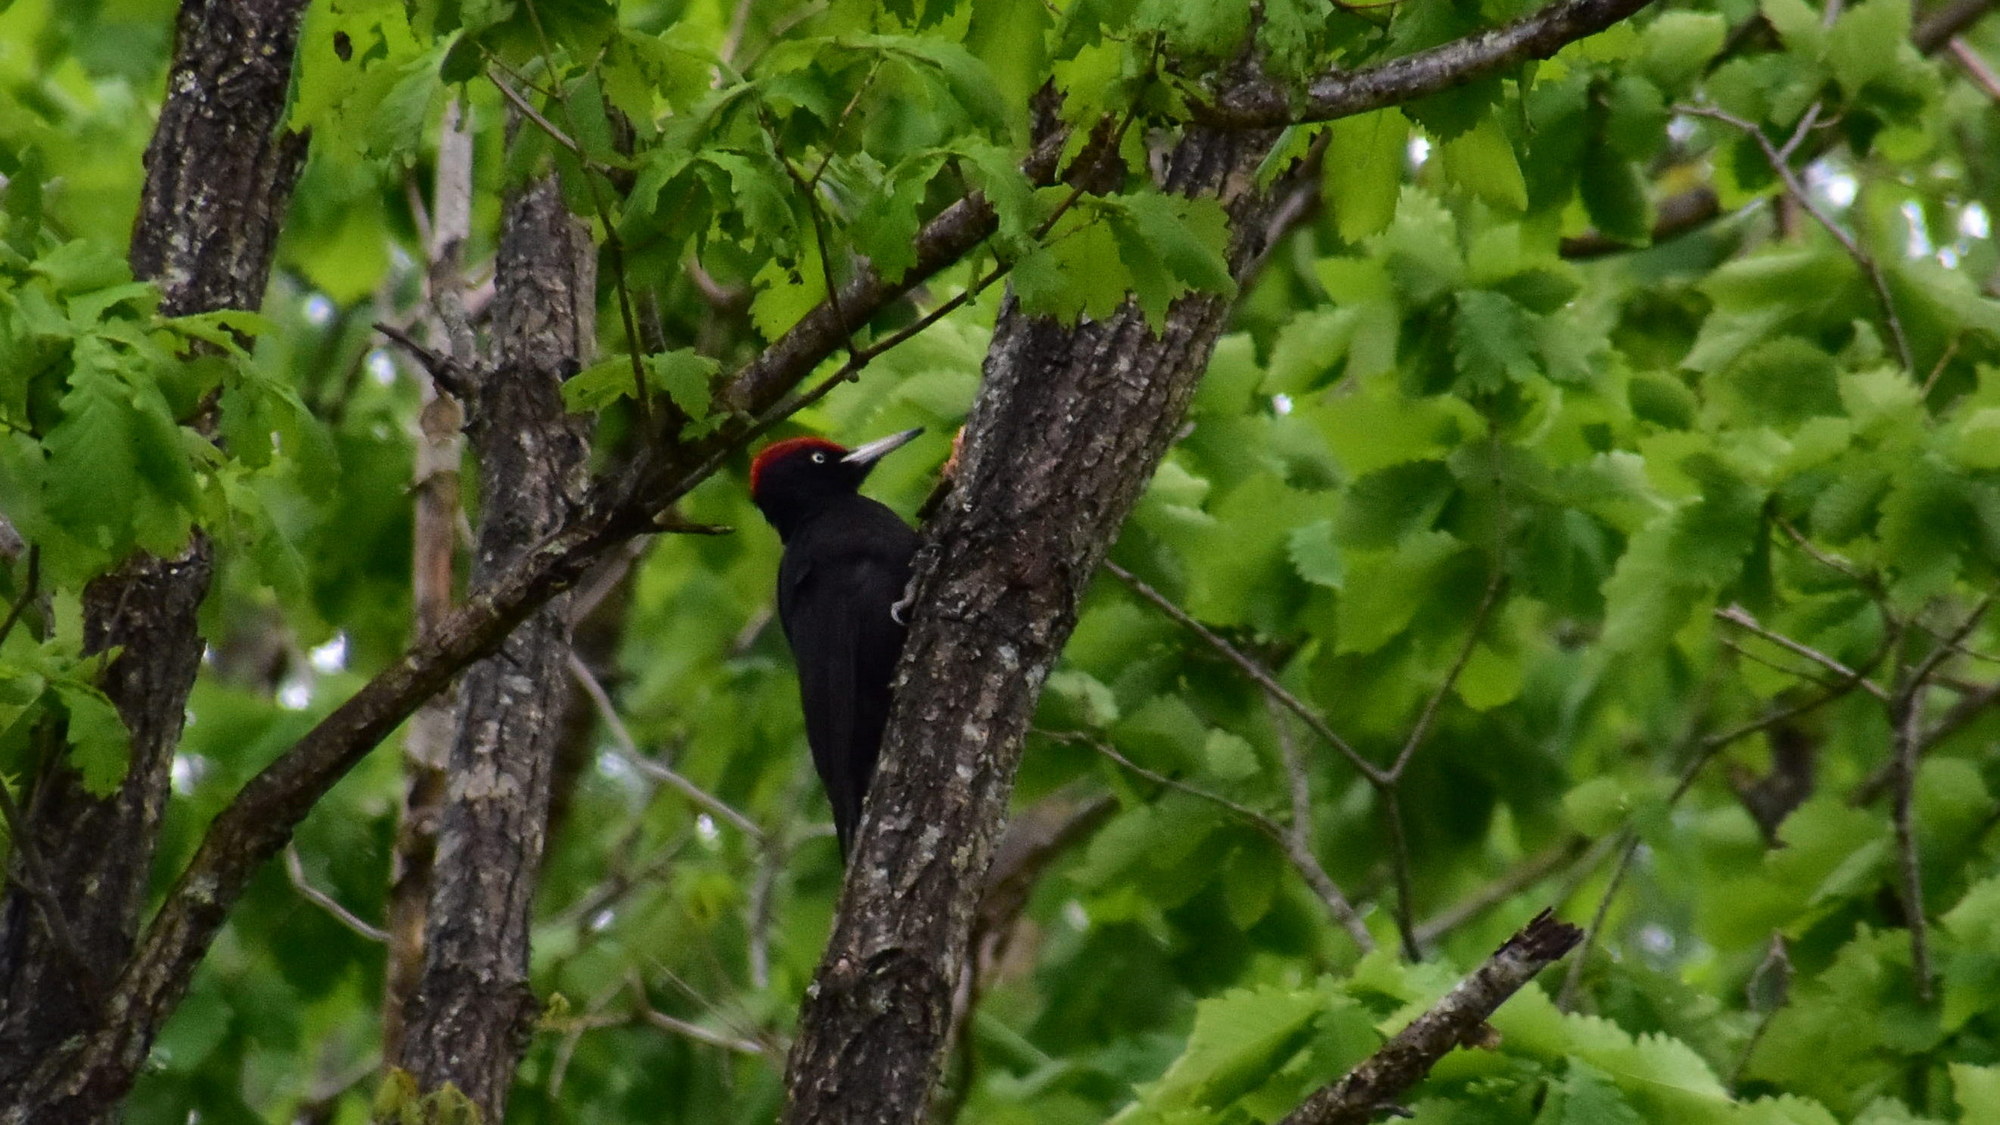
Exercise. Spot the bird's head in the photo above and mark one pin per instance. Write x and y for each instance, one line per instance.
(792, 478)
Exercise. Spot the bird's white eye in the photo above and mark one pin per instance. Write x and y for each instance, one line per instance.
(819, 458)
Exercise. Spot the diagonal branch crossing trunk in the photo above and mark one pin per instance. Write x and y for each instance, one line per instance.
(471, 1015)
(1069, 425)
(219, 175)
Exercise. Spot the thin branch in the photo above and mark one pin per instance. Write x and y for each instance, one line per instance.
(700, 1034)
(1524, 875)
(1422, 729)
(295, 871)
(1870, 268)
(767, 1044)
(1909, 865)
(1906, 715)
(1391, 797)
(1264, 103)
(1949, 647)
(1943, 25)
(444, 369)
(1754, 657)
(1718, 741)
(1372, 1088)
(1975, 68)
(1298, 778)
(1296, 852)
(1741, 618)
(1825, 558)
(656, 770)
(1627, 845)
(527, 109)
(1252, 669)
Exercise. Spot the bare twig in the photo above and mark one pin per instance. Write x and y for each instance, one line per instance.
(1626, 845)
(1473, 633)
(295, 871)
(1267, 103)
(1975, 68)
(650, 767)
(1826, 558)
(1742, 618)
(1870, 268)
(1372, 1088)
(1251, 668)
(1297, 853)
(701, 1034)
(1391, 798)
(1941, 26)
(1908, 741)
(1524, 875)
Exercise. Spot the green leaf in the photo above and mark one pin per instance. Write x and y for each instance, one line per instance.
(1977, 1091)
(1662, 400)
(1492, 341)
(1614, 195)
(1385, 589)
(687, 377)
(1482, 161)
(1390, 504)
(1870, 41)
(1782, 382)
(1315, 555)
(1679, 43)
(1239, 1039)
(1587, 1096)
(1363, 171)
(99, 745)
(1230, 757)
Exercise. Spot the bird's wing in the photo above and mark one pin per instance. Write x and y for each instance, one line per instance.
(836, 613)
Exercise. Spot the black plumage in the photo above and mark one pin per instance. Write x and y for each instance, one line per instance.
(846, 565)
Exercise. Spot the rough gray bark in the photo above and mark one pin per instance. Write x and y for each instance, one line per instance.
(1370, 1089)
(97, 1065)
(434, 555)
(472, 1013)
(1069, 425)
(219, 175)
(1068, 428)
(1265, 103)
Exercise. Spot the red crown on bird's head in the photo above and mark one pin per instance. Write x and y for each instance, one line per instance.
(779, 450)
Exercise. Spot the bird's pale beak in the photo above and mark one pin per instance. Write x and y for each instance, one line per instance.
(875, 450)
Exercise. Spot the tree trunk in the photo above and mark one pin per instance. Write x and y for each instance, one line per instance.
(434, 554)
(1069, 425)
(472, 1012)
(219, 175)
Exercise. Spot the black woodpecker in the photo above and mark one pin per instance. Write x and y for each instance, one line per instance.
(845, 568)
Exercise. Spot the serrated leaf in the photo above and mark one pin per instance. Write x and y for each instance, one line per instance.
(1492, 340)
(1315, 555)
(1363, 171)
(1239, 1039)
(686, 376)
(100, 748)
(1482, 161)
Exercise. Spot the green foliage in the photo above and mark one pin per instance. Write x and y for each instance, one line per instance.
(1439, 465)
